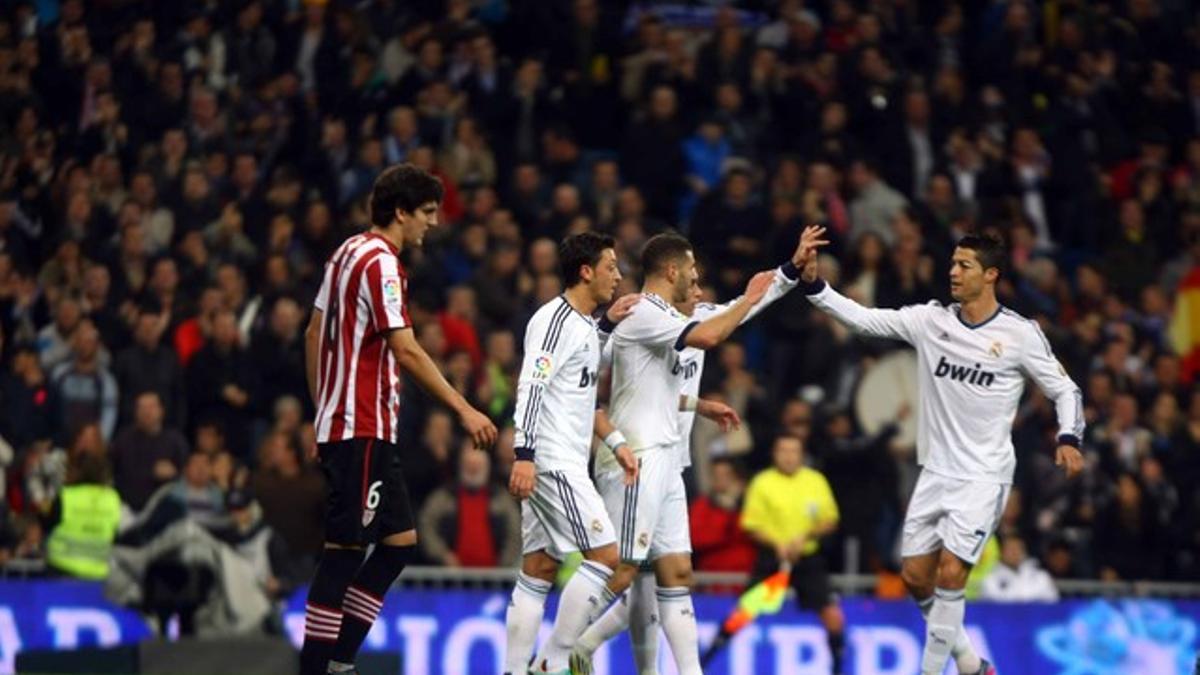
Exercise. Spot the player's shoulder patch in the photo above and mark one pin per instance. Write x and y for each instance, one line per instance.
(392, 290)
(543, 365)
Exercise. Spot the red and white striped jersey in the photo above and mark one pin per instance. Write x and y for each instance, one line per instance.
(363, 296)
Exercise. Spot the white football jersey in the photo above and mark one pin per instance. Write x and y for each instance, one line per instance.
(644, 403)
(556, 391)
(970, 380)
(692, 360)
(687, 365)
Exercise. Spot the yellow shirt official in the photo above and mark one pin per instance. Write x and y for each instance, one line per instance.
(781, 507)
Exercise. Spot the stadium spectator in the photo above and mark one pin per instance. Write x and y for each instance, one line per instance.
(146, 454)
(291, 494)
(30, 407)
(197, 492)
(277, 351)
(1018, 578)
(865, 482)
(277, 572)
(472, 523)
(85, 389)
(48, 467)
(150, 366)
(875, 202)
(221, 381)
(54, 340)
(718, 541)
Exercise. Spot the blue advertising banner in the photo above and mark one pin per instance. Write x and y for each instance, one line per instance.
(462, 632)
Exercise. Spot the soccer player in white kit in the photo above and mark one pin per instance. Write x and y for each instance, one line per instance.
(556, 403)
(638, 609)
(645, 405)
(973, 356)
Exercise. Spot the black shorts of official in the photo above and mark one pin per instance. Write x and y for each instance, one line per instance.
(810, 579)
(368, 498)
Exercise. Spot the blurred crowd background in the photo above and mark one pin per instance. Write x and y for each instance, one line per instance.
(173, 176)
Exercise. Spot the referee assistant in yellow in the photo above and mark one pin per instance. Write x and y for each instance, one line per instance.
(788, 508)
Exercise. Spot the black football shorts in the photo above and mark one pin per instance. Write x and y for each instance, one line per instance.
(367, 496)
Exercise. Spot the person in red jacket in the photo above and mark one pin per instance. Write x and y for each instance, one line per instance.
(718, 541)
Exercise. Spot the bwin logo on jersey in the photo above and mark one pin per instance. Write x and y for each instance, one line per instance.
(688, 369)
(588, 378)
(968, 374)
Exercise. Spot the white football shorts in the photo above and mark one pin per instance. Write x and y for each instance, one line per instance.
(564, 514)
(953, 513)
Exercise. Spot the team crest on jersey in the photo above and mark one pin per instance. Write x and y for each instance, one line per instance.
(643, 540)
(368, 516)
(542, 366)
(391, 290)
(597, 526)
(996, 349)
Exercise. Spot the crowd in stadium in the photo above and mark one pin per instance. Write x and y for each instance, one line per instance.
(173, 176)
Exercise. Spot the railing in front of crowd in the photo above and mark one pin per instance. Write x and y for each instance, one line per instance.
(846, 584)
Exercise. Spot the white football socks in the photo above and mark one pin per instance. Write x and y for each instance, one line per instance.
(963, 651)
(584, 597)
(679, 623)
(522, 621)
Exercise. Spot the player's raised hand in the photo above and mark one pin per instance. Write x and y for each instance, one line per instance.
(520, 481)
(757, 287)
(622, 307)
(479, 427)
(811, 239)
(726, 417)
(628, 462)
(1069, 457)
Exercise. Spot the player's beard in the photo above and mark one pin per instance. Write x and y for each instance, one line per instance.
(682, 290)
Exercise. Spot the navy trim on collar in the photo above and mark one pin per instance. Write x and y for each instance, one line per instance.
(981, 324)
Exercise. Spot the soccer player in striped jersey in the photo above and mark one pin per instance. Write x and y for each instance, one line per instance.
(358, 338)
(972, 360)
(561, 511)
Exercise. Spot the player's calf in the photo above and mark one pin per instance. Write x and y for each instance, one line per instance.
(323, 615)
(364, 600)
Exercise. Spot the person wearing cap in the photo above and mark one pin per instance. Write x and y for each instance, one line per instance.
(259, 544)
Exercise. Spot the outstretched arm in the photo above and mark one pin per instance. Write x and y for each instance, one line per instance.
(714, 330)
(883, 323)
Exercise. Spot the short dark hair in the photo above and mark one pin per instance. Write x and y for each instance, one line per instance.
(988, 248)
(663, 249)
(581, 249)
(734, 465)
(405, 187)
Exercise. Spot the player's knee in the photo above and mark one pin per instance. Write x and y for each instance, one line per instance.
(606, 556)
(623, 575)
(952, 572)
(674, 572)
(918, 583)
(540, 565)
(405, 538)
